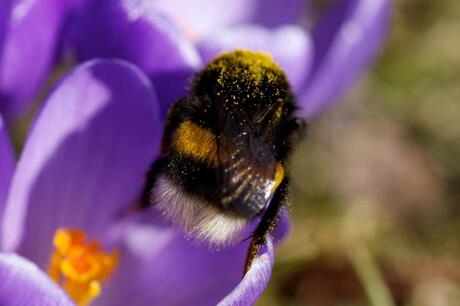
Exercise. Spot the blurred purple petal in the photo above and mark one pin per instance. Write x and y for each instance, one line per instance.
(157, 259)
(283, 227)
(133, 30)
(28, 52)
(200, 18)
(345, 41)
(23, 284)
(7, 163)
(5, 10)
(86, 158)
(290, 46)
(254, 282)
(273, 13)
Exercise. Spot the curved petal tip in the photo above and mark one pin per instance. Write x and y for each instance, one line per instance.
(346, 40)
(254, 282)
(23, 284)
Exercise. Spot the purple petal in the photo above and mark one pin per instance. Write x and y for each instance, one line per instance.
(7, 163)
(23, 284)
(200, 18)
(85, 159)
(345, 41)
(283, 227)
(289, 45)
(157, 260)
(5, 10)
(134, 31)
(28, 53)
(273, 13)
(254, 282)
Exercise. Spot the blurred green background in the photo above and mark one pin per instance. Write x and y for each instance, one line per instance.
(375, 201)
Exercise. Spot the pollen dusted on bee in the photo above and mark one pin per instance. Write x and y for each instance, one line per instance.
(241, 70)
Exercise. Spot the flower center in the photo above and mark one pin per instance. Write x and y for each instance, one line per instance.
(80, 266)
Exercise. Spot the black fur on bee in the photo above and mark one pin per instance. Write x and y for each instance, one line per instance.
(224, 150)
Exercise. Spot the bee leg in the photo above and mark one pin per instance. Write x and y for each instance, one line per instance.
(267, 223)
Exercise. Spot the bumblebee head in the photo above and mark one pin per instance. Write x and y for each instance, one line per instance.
(247, 85)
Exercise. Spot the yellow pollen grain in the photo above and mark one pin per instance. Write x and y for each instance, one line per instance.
(196, 142)
(80, 266)
(279, 110)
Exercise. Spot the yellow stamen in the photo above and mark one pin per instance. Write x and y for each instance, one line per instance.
(80, 266)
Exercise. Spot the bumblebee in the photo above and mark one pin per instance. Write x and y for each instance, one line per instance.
(224, 151)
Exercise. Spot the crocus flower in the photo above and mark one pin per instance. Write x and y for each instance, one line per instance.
(86, 157)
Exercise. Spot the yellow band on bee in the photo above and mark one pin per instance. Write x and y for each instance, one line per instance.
(196, 142)
(279, 175)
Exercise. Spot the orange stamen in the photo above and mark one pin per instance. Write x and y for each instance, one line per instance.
(80, 266)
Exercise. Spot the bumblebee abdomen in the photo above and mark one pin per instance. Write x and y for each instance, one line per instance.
(200, 218)
(193, 176)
